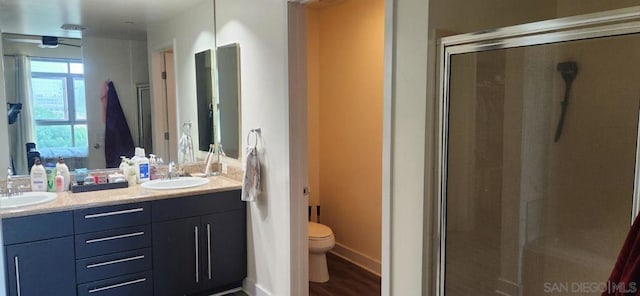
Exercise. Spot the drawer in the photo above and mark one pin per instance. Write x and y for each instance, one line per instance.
(112, 265)
(183, 207)
(37, 227)
(113, 241)
(139, 284)
(111, 217)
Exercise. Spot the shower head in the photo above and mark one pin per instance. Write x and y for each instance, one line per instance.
(569, 71)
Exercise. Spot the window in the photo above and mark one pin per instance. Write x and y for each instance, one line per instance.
(59, 105)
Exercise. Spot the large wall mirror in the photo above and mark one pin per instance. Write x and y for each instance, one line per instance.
(228, 105)
(66, 82)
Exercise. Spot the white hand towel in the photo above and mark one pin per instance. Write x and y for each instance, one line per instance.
(251, 179)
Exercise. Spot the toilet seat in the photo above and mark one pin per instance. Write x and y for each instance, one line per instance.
(318, 231)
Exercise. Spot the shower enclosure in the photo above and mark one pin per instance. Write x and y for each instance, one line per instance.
(538, 155)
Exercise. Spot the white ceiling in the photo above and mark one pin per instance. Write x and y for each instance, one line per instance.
(123, 19)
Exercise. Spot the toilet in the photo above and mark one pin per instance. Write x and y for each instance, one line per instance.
(321, 240)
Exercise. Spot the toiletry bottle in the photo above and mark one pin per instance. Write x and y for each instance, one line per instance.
(50, 169)
(153, 167)
(141, 165)
(63, 169)
(124, 165)
(59, 182)
(38, 177)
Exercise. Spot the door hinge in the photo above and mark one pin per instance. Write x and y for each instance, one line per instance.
(306, 190)
(164, 75)
(166, 136)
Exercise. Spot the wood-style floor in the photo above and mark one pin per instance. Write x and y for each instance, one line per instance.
(346, 279)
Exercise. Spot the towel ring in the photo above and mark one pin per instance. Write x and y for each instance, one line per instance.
(256, 133)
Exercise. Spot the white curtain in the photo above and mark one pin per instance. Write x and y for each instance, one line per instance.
(24, 126)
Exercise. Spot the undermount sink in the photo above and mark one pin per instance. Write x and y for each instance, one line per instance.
(176, 183)
(26, 199)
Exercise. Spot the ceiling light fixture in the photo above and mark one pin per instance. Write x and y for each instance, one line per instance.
(73, 27)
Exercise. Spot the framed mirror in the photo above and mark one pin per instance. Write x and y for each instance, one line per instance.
(204, 92)
(228, 101)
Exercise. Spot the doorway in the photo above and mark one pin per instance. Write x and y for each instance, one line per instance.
(343, 102)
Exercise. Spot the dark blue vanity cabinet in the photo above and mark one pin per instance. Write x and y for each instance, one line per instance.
(199, 244)
(180, 246)
(113, 250)
(39, 255)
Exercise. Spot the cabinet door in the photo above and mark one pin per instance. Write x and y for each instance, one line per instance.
(176, 257)
(39, 268)
(224, 249)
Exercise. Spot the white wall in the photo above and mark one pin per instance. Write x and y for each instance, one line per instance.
(125, 63)
(409, 95)
(260, 27)
(192, 31)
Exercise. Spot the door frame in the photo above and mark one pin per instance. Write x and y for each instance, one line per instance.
(170, 117)
(593, 25)
(299, 264)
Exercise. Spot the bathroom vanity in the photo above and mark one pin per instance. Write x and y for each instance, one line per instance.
(131, 241)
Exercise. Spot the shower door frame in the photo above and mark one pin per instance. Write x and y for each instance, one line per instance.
(594, 25)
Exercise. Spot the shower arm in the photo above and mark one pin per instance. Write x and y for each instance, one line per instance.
(569, 71)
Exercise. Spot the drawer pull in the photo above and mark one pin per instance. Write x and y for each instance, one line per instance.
(97, 240)
(118, 285)
(115, 261)
(17, 264)
(209, 249)
(91, 216)
(195, 231)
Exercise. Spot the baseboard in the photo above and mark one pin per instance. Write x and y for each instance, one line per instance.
(227, 292)
(254, 289)
(367, 263)
(507, 287)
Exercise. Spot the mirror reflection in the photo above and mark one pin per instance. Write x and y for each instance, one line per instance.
(228, 104)
(45, 77)
(61, 86)
(54, 92)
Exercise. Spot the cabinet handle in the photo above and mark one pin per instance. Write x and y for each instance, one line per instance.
(209, 249)
(115, 261)
(195, 231)
(97, 240)
(91, 216)
(118, 285)
(17, 264)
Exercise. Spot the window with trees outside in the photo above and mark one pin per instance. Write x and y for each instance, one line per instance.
(59, 105)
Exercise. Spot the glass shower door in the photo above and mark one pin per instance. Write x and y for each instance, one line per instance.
(540, 166)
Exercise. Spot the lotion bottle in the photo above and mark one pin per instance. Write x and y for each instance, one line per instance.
(38, 177)
(63, 169)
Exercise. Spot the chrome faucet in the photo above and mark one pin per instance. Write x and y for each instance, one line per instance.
(9, 182)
